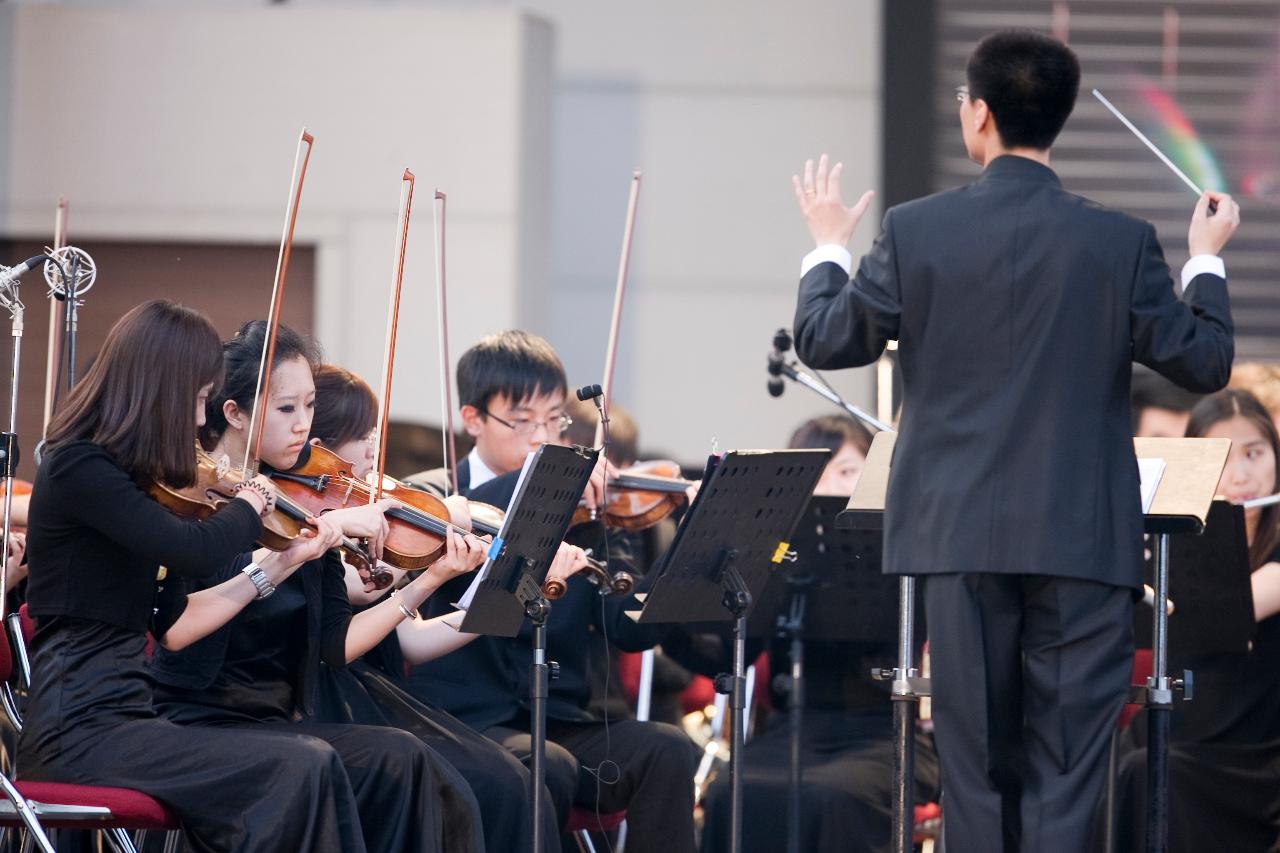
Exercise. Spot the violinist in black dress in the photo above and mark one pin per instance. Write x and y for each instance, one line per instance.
(260, 671)
(97, 544)
(371, 691)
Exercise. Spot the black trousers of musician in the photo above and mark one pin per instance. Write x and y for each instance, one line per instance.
(846, 802)
(364, 694)
(1029, 675)
(652, 779)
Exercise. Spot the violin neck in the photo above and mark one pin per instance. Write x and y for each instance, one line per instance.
(639, 482)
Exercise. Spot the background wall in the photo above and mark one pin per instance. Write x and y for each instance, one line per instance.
(176, 121)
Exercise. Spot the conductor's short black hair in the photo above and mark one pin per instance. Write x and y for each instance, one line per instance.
(1029, 82)
(515, 364)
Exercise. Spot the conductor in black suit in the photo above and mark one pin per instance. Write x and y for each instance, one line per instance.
(1018, 308)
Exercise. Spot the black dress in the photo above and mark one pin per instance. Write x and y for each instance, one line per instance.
(1224, 756)
(370, 692)
(261, 673)
(846, 756)
(95, 542)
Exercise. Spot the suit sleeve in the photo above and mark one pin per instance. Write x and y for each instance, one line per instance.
(846, 322)
(100, 495)
(1187, 340)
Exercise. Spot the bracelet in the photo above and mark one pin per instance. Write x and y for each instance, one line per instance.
(255, 574)
(268, 497)
(409, 612)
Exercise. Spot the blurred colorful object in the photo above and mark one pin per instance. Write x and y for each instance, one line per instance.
(1180, 141)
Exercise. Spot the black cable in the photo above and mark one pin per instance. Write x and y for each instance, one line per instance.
(598, 772)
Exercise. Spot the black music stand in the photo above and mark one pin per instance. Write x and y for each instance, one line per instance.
(510, 590)
(833, 591)
(1181, 505)
(1212, 613)
(735, 532)
(865, 511)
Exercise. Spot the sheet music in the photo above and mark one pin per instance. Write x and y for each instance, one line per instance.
(465, 601)
(1149, 473)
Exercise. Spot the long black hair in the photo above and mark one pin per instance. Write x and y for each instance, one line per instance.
(243, 356)
(138, 399)
(1223, 406)
(346, 409)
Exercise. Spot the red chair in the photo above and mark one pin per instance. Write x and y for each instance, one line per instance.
(57, 805)
(582, 822)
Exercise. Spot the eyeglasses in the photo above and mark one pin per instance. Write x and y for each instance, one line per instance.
(524, 427)
(962, 94)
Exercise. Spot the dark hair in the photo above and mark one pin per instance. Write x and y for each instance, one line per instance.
(1223, 406)
(518, 365)
(243, 356)
(624, 434)
(138, 399)
(1150, 390)
(832, 432)
(1029, 82)
(346, 408)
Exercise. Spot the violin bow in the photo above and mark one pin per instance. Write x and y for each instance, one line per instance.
(52, 365)
(447, 444)
(624, 262)
(253, 441)
(393, 322)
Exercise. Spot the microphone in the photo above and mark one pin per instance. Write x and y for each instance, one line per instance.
(595, 394)
(12, 274)
(781, 344)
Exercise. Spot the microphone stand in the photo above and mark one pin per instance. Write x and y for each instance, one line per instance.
(9, 440)
(779, 367)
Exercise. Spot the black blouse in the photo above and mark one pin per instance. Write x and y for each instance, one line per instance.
(96, 540)
(263, 664)
(1237, 697)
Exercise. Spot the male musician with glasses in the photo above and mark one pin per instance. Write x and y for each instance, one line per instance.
(1018, 308)
(512, 389)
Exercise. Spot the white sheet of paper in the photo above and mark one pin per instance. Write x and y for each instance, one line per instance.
(1149, 473)
(465, 601)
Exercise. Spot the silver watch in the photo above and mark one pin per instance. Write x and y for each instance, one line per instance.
(255, 573)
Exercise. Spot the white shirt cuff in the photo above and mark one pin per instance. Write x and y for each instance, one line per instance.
(821, 255)
(1201, 264)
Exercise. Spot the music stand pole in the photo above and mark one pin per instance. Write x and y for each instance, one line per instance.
(906, 704)
(736, 600)
(1159, 707)
(793, 625)
(537, 611)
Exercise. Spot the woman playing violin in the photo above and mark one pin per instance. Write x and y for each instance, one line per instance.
(96, 543)
(372, 690)
(261, 671)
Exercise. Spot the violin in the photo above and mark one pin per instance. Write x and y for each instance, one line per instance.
(324, 481)
(639, 497)
(215, 486)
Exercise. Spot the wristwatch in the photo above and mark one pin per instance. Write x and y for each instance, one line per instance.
(255, 573)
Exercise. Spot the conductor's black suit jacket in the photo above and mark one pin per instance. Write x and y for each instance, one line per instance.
(1018, 308)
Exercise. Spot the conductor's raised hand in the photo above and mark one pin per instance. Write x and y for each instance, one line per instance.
(1210, 232)
(818, 194)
